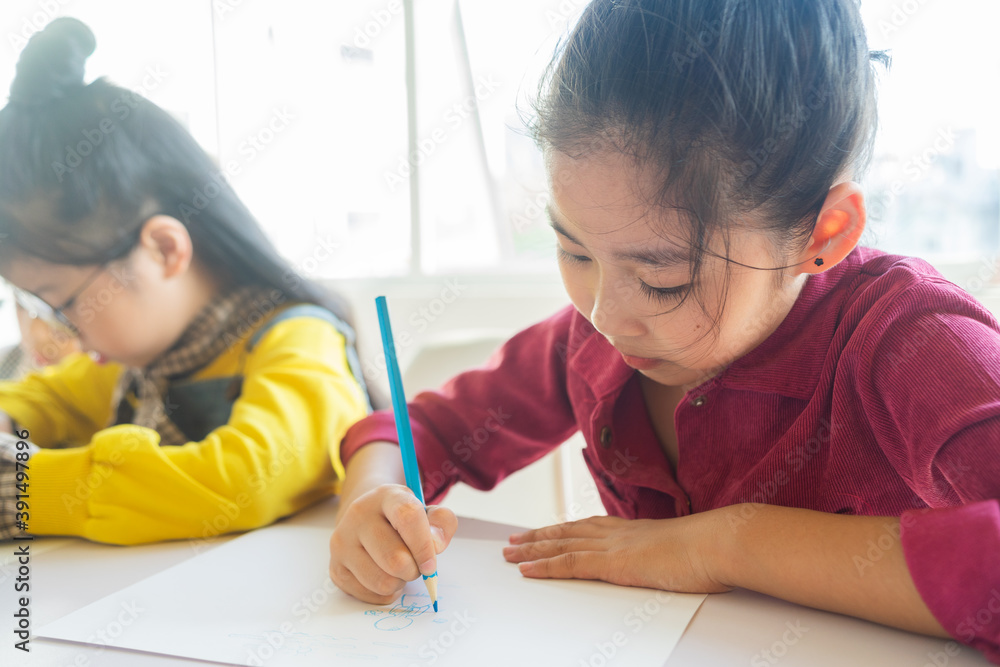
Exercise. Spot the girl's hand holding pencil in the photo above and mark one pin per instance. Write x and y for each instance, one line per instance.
(384, 538)
(399, 538)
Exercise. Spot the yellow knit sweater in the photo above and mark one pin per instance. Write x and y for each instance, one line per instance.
(278, 452)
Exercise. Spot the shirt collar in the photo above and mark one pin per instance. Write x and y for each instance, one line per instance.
(790, 361)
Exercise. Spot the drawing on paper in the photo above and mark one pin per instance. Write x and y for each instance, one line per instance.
(401, 614)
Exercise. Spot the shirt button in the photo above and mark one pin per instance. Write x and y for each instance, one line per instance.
(698, 402)
(606, 437)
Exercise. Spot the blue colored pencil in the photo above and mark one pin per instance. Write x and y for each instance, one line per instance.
(403, 429)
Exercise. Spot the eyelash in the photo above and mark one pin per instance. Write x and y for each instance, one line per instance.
(663, 293)
(650, 292)
(570, 257)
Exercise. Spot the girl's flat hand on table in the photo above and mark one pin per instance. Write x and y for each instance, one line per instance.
(668, 554)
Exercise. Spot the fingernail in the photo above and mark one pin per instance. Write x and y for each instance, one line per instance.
(509, 551)
(428, 567)
(515, 538)
(526, 566)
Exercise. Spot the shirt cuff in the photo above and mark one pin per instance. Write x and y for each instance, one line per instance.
(378, 426)
(952, 557)
(15, 469)
(437, 472)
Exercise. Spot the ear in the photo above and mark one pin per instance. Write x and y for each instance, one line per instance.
(167, 240)
(838, 229)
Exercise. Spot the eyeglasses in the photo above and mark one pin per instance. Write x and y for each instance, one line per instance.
(39, 308)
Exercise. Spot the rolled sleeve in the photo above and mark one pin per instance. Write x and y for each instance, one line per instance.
(953, 555)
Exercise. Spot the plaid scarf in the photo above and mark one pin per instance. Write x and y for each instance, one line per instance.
(224, 322)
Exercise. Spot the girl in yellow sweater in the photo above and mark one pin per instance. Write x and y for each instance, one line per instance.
(217, 383)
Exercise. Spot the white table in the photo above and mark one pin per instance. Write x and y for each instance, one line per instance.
(734, 628)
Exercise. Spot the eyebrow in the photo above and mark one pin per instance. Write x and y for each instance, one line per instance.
(663, 255)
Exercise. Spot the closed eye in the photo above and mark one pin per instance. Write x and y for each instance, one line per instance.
(570, 257)
(663, 293)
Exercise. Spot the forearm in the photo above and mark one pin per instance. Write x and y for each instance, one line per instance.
(373, 465)
(851, 565)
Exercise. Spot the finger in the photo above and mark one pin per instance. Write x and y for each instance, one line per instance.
(596, 526)
(408, 518)
(519, 553)
(347, 582)
(444, 523)
(388, 556)
(571, 565)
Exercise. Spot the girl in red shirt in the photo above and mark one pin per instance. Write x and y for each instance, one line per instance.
(762, 400)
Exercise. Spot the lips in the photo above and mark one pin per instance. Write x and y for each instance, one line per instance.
(640, 363)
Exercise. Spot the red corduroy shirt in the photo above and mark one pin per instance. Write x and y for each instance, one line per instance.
(879, 394)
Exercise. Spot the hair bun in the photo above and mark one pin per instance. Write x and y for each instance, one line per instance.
(52, 64)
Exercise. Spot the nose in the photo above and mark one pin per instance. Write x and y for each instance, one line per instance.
(611, 313)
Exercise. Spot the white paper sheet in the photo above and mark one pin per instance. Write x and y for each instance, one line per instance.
(265, 599)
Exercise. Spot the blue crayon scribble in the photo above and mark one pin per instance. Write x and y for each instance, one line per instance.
(401, 615)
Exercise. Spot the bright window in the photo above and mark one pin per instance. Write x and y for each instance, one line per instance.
(934, 189)
(305, 105)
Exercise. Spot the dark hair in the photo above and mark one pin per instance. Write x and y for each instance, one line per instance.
(739, 105)
(83, 166)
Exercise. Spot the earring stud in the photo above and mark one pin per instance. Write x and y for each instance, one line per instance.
(819, 261)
